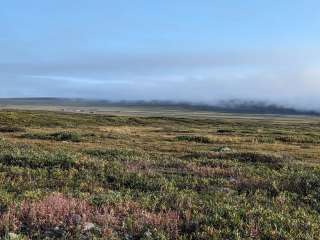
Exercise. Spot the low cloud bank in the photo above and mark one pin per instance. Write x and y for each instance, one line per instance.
(284, 78)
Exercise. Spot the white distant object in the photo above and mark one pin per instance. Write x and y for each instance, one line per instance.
(88, 226)
(225, 149)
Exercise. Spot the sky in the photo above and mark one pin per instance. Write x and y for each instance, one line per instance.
(181, 50)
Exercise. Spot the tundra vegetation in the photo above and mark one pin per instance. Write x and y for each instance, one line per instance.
(81, 176)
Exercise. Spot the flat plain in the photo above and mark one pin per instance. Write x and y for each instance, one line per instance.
(71, 175)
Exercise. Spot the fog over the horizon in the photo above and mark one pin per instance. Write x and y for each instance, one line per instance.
(79, 57)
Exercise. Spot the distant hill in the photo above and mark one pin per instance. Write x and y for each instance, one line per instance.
(231, 106)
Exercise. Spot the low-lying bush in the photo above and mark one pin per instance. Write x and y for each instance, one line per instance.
(272, 160)
(198, 139)
(251, 185)
(305, 183)
(225, 131)
(36, 159)
(57, 216)
(258, 157)
(57, 136)
(298, 139)
(10, 129)
(114, 154)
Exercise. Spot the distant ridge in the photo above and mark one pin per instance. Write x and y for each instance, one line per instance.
(231, 106)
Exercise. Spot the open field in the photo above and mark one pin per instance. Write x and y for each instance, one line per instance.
(66, 175)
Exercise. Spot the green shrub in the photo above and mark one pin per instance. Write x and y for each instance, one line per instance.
(36, 159)
(58, 136)
(258, 157)
(115, 154)
(10, 129)
(305, 183)
(225, 131)
(298, 139)
(198, 139)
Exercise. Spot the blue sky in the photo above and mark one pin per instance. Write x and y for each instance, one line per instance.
(201, 51)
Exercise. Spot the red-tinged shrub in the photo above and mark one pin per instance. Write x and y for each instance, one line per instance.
(136, 219)
(9, 221)
(168, 222)
(70, 216)
(54, 211)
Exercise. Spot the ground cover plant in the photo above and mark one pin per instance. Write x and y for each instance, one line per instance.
(86, 176)
(57, 136)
